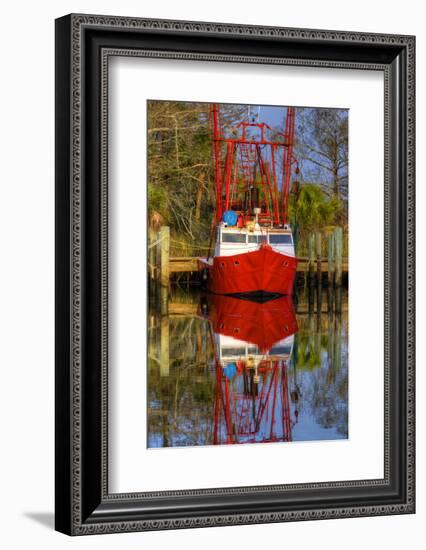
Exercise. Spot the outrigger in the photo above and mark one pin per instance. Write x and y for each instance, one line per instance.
(254, 252)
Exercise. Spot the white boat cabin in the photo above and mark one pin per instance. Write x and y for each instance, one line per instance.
(234, 240)
(231, 349)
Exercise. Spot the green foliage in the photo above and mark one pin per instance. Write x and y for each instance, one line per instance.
(157, 200)
(311, 210)
(308, 355)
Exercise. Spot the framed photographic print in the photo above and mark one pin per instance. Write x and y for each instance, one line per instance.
(234, 274)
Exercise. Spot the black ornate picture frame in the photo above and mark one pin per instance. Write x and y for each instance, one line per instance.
(84, 43)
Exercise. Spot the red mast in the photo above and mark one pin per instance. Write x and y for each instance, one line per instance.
(288, 161)
(246, 167)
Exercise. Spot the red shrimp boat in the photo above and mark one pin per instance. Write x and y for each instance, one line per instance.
(254, 250)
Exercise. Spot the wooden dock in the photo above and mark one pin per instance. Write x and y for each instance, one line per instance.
(190, 265)
(164, 267)
(177, 309)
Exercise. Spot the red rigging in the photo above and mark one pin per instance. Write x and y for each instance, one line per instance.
(252, 343)
(254, 249)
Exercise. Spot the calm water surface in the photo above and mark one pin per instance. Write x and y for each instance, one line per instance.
(227, 371)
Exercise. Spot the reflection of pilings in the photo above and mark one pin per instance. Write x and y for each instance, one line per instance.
(330, 299)
(319, 296)
(164, 346)
(318, 333)
(337, 342)
(245, 382)
(152, 344)
(311, 295)
(330, 347)
(311, 339)
(165, 427)
(317, 301)
(199, 343)
(338, 299)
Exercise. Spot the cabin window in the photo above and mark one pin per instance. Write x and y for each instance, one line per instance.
(280, 238)
(234, 351)
(233, 238)
(255, 238)
(280, 350)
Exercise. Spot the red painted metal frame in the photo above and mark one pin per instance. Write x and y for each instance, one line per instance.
(249, 416)
(244, 417)
(241, 156)
(288, 161)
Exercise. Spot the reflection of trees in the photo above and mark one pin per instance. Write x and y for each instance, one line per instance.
(180, 404)
(321, 365)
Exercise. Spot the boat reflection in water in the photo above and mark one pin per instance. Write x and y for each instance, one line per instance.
(252, 344)
(222, 370)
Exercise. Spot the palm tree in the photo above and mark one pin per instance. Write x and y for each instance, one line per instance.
(311, 210)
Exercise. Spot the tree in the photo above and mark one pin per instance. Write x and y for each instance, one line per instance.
(322, 148)
(180, 170)
(178, 163)
(311, 209)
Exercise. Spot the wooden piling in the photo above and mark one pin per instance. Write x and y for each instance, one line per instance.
(152, 264)
(164, 300)
(164, 238)
(164, 253)
(318, 250)
(152, 237)
(338, 255)
(331, 265)
(330, 274)
(311, 258)
(319, 255)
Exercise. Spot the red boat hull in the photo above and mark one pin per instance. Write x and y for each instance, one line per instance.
(262, 271)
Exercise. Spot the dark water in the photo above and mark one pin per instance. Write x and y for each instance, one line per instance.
(228, 371)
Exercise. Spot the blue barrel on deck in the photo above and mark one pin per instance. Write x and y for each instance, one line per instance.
(230, 217)
(230, 370)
